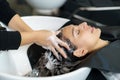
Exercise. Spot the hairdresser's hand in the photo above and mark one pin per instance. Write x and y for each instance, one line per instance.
(47, 39)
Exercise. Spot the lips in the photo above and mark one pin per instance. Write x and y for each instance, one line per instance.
(92, 29)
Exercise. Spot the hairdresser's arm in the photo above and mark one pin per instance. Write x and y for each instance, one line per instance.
(14, 39)
(44, 38)
(18, 24)
(9, 17)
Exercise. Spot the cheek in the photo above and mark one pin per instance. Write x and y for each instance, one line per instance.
(88, 39)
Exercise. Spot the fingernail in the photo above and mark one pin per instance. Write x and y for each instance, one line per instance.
(65, 56)
(68, 48)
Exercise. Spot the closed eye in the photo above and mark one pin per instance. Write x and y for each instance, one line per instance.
(78, 32)
(75, 32)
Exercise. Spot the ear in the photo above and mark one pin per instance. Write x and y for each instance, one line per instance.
(80, 52)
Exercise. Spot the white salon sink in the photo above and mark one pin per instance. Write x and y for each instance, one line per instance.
(46, 7)
(15, 63)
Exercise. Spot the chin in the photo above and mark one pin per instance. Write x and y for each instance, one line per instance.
(98, 32)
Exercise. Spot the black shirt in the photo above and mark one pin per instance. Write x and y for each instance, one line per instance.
(8, 39)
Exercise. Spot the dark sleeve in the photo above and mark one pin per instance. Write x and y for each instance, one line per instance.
(9, 40)
(6, 13)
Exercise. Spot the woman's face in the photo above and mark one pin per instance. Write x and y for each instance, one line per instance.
(82, 35)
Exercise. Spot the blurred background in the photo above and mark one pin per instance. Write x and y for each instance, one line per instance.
(30, 7)
(21, 7)
(66, 9)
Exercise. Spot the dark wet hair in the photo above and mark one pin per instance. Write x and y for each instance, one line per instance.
(69, 53)
(71, 45)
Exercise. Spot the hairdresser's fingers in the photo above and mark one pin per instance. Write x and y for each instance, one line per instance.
(60, 50)
(54, 52)
(60, 42)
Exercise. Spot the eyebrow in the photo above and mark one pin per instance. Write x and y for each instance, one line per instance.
(73, 31)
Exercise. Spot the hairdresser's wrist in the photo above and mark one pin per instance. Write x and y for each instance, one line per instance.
(28, 37)
(42, 37)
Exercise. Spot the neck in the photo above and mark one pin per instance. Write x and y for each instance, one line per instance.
(100, 44)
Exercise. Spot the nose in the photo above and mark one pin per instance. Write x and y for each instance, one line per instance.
(85, 23)
(84, 26)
